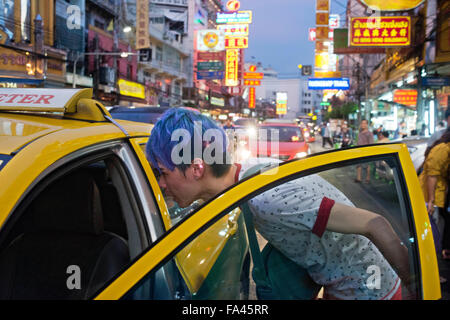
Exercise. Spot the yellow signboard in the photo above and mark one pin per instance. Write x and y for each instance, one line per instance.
(131, 89)
(12, 60)
(322, 5)
(327, 74)
(397, 5)
(322, 18)
(443, 34)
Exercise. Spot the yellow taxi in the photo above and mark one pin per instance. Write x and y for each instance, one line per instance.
(82, 215)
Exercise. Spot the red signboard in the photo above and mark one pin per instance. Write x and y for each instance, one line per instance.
(236, 42)
(206, 55)
(253, 75)
(380, 31)
(252, 98)
(407, 97)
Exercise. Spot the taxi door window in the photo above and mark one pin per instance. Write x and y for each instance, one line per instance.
(213, 266)
(345, 266)
(80, 227)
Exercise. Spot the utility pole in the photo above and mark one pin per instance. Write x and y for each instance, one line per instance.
(358, 92)
(38, 46)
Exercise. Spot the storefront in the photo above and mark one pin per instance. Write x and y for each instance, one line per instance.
(19, 68)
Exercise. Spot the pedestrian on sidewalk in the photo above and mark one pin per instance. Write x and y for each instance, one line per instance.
(327, 135)
(365, 137)
(434, 182)
(383, 137)
(347, 139)
(439, 131)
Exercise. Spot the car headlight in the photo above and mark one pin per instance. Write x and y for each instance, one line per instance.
(251, 131)
(244, 154)
(301, 155)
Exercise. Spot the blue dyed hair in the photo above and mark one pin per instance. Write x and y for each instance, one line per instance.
(160, 145)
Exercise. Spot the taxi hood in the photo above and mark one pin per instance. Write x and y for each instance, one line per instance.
(16, 133)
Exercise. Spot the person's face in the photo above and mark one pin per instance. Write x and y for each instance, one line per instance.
(364, 125)
(181, 187)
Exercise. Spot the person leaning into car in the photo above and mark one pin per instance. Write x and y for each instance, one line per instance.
(319, 222)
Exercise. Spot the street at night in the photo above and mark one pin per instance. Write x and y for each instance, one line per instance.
(224, 150)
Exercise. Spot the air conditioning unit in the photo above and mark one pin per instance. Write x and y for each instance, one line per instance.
(107, 75)
(169, 35)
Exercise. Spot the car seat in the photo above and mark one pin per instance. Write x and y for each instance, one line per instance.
(64, 229)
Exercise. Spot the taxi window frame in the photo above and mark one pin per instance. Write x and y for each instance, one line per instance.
(82, 157)
(306, 172)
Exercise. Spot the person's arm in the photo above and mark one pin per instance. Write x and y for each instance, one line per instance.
(346, 219)
(431, 188)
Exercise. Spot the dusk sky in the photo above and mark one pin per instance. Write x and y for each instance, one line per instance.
(279, 33)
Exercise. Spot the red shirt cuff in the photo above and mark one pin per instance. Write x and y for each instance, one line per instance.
(322, 216)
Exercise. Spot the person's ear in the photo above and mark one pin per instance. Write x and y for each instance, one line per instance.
(198, 168)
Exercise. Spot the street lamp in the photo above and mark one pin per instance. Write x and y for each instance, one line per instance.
(79, 55)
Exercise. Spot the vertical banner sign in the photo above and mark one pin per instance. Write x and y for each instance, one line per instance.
(142, 19)
(251, 98)
(323, 59)
(231, 67)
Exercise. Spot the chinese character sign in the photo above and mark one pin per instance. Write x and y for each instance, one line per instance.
(231, 67)
(142, 36)
(252, 98)
(381, 31)
(407, 97)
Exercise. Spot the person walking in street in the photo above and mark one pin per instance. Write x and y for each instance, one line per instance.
(434, 180)
(364, 137)
(319, 227)
(327, 135)
(228, 124)
(439, 132)
(383, 137)
(400, 133)
(345, 136)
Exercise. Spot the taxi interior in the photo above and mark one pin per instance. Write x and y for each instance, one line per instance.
(86, 214)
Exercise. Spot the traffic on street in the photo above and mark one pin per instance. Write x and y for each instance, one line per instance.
(197, 150)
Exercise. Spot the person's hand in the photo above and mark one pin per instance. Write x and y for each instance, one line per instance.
(430, 207)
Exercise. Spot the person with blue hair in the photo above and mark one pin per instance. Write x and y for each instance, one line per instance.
(189, 151)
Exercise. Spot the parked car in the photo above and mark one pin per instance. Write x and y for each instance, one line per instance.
(280, 140)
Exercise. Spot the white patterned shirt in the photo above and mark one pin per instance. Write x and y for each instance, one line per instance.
(290, 217)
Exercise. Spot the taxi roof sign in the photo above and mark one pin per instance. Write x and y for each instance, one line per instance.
(42, 100)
